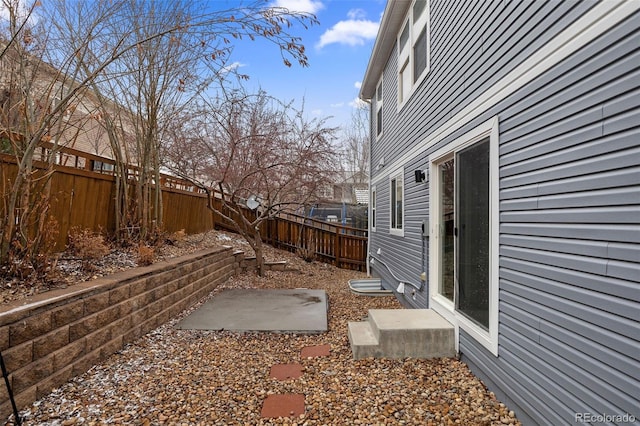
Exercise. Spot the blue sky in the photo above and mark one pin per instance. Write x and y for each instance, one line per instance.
(338, 50)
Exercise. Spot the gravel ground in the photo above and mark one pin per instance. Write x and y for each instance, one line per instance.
(180, 377)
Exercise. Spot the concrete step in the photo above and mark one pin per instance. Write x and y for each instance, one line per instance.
(363, 342)
(402, 333)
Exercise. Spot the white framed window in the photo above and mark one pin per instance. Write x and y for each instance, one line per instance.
(379, 109)
(372, 217)
(404, 81)
(463, 243)
(413, 50)
(396, 208)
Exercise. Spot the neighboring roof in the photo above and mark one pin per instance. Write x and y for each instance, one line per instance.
(355, 177)
(362, 196)
(392, 20)
(342, 177)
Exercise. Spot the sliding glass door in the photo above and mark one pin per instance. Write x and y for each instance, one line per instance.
(463, 210)
(472, 230)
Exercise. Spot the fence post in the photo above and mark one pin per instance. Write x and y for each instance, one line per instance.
(336, 247)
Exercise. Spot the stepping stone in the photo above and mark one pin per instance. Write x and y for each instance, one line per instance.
(286, 371)
(315, 351)
(283, 405)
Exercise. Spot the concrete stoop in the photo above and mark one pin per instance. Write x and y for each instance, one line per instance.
(402, 333)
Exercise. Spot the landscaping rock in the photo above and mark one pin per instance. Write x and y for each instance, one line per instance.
(172, 376)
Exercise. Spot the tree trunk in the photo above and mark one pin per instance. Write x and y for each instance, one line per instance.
(18, 190)
(158, 219)
(258, 249)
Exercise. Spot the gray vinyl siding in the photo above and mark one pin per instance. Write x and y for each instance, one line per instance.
(416, 247)
(569, 187)
(570, 238)
(405, 255)
(469, 53)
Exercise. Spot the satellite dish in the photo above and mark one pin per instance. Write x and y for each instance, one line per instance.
(252, 202)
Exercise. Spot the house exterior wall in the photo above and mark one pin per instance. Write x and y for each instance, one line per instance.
(81, 126)
(568, 184)
(464, 65)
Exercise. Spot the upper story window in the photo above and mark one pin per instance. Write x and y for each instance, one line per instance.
(379, 109)
(413, 50)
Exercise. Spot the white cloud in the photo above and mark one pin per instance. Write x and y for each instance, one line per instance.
(356, 14)
(357, 85)
(338, 105)
(317, 112)
(357, 103)
(232, 67)
(354, 31)
(309, 6)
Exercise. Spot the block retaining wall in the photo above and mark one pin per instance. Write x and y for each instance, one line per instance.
(60, 334)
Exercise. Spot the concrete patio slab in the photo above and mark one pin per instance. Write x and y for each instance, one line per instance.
(301, 311)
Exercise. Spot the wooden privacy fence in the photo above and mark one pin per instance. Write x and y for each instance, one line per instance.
(83, 196)
(342, 246)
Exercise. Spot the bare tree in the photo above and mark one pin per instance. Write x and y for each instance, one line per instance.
(70, 60)
(35, 108)
(158, 79)
(356, 144)
(241, 147)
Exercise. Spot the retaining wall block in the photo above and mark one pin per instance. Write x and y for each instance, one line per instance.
(4, 337)
(96, 303)
(68, 354)
(30, 328)
(50, 342)
(68, 313)
(18, 356)
(31, 374)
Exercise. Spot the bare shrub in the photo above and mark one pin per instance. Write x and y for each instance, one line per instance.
(146, 255)
(87, 244)
(307, 251)
(307, 254)
(177, 238)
